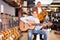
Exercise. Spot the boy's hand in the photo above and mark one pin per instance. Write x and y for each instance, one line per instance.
(44, 24)
(30, 22)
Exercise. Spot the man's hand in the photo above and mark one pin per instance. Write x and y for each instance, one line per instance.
(44, 24)
(30, 22)
(49, 24)
(31, 27)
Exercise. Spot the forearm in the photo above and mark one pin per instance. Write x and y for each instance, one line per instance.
(23, 20)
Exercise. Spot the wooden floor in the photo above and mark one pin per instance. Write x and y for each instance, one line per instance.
(51, 36)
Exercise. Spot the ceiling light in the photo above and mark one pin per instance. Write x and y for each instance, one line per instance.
(44, 1)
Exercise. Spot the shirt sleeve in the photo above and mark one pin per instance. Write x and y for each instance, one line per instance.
(24, 19)
(47, 17)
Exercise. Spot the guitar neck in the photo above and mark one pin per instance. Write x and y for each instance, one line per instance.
(36, 24)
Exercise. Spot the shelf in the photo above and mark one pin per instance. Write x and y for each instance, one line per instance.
(11, 3)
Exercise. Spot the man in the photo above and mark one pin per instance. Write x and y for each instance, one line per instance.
(34, 29)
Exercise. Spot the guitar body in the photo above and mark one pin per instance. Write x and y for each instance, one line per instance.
(15, 33)
(6, 34)
(40, 15)
(23, 26)
(1, 36)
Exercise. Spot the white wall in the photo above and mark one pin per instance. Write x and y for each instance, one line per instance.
(7, 9)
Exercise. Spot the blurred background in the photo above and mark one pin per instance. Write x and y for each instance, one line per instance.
(12, 10)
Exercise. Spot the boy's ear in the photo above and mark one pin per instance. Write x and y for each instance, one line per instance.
(31, 13)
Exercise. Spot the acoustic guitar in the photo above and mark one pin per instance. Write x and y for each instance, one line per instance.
(40, 15)
(25, 27)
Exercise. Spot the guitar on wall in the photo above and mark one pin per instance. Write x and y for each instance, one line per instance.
(31, 25)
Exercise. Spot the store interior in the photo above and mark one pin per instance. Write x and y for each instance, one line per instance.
(12, 10)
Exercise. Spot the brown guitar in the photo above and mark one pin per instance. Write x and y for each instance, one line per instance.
(25, 27)
(22, 26)
(40, 15)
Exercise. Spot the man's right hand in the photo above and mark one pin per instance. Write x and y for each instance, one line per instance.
(30, 22)
(44, 24)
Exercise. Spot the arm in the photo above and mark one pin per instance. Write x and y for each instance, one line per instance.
(24, 19)
(27, 20)
(46, 18)
(24, 26)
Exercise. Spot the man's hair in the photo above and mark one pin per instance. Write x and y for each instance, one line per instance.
(38, 2)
